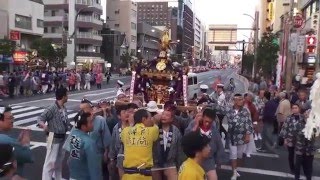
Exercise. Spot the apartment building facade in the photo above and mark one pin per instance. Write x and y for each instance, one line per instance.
(122, 17)
(60, 25)
(21, 22)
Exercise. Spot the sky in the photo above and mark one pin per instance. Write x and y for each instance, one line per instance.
(223, 12)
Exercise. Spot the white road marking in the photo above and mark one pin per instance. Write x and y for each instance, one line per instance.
(24, 121)
(270, 155)
(265, 172)
(95, 91)
(29, 113)
(29, 102)
(97, 94)
(16, 107)
(70, 95)
(97, 100)
(24, 109)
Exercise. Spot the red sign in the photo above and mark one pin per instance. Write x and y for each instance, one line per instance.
(14, 35)
(19, 56)
(311, 40)
(298, 21)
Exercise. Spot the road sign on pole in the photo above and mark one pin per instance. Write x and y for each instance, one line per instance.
(293, 42)
(301, 44)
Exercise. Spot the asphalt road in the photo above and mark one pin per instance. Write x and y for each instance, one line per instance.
(262, 166)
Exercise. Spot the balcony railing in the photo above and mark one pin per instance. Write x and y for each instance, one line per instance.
(53, 18)
(89, 19)
(52, 35)
(84, 2)
(89, 35)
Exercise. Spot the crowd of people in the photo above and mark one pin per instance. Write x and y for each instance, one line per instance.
(130, 142)
(31, 83)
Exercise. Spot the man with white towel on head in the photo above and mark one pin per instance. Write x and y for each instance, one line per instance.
(120, 84)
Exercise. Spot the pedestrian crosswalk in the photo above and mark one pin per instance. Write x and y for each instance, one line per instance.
(27, 116)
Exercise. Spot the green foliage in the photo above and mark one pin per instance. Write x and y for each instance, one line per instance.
(6, 47)
(44, 48)
(46, 51)
(267, 56)
(60, 54)
(125, 59)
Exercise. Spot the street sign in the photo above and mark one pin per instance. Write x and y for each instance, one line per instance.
(298, 21)
(14, 35)
(311, 40)
(301, 44)
(311, 43)
(293, 42)
(315, 22)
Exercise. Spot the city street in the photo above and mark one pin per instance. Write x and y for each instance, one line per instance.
(264, 166)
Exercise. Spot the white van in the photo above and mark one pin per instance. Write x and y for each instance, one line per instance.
(193, 85)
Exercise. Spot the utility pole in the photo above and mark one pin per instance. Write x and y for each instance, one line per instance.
(289, 59)
(243, 43)
(256, 43)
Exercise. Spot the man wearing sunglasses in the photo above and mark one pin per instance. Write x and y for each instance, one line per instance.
(22, 151)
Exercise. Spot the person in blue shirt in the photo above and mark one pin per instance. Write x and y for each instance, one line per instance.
(22, 151)
(84, 161)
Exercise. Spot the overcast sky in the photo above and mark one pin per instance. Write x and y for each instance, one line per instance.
(222, 12)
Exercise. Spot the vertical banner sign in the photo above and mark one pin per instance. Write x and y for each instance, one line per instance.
(185, 89)
(279, 71)
(133, 79)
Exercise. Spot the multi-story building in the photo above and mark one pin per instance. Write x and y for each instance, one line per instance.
(203, 42)
(60, 25)
(262, 7)
(22, 22)
(111, 45)
(187, 35)
(198, 34)
(122, 17)
(148, 41)
(153, 13)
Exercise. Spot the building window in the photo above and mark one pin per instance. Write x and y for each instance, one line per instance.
(40, 23)
(133, 38)
(116, 25)
(23, 22)
(53, 13)
(117, 52)
(53, 29)
(133, 26)
(117, 12)
(45, 30)
(133, 51)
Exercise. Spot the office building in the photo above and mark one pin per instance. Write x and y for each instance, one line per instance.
(148, 41)
(122, 17)
(153, 13)
(198, 35)
(59, 17)
(111, 45)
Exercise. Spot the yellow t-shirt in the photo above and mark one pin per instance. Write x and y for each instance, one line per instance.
(138, 143)
(190, 170)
